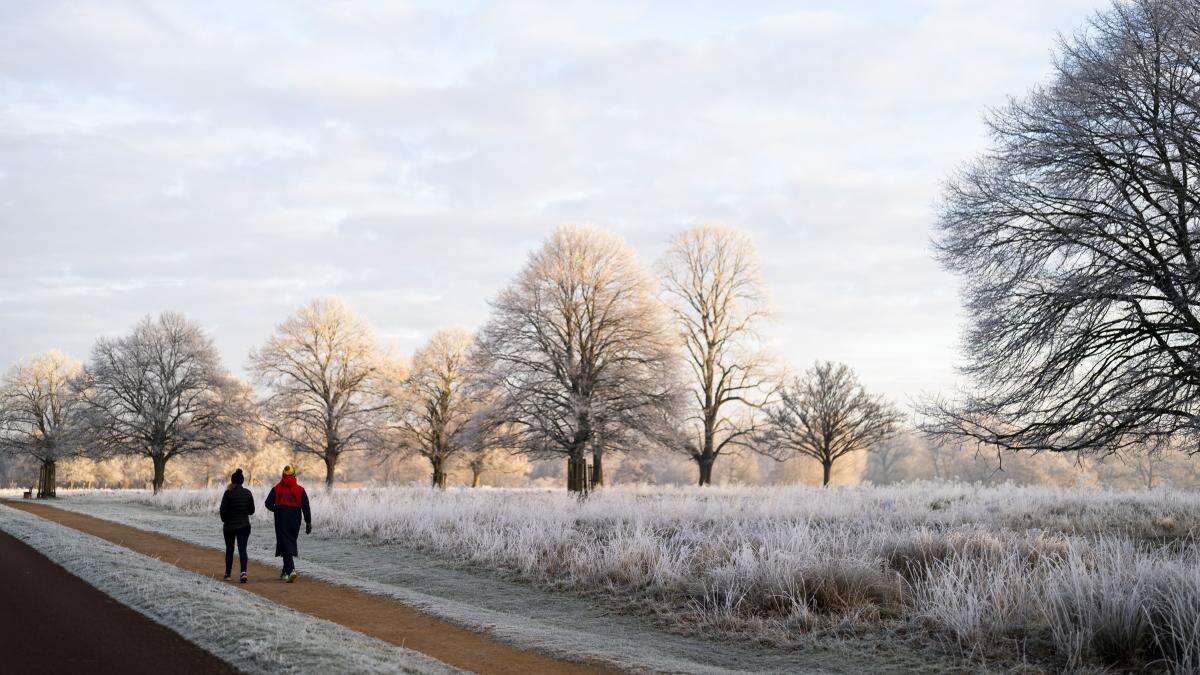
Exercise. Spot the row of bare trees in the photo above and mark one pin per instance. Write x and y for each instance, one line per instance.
(586, 352)
(158, 392)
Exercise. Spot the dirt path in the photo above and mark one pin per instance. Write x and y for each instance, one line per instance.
(372, 615)
(53, 622)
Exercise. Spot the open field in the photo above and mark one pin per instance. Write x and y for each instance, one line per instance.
(1000, 576)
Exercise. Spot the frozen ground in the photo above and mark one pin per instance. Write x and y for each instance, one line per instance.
(253, 634)
(993, 577)
(558, 623)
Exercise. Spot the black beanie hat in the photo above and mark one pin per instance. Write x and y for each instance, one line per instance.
(237, 477)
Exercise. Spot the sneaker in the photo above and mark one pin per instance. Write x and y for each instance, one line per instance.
(242, 579)
(292, 577)
(283, 576)
(227, 576)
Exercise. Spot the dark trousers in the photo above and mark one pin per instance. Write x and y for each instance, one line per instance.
(241, 535)
(289, 564)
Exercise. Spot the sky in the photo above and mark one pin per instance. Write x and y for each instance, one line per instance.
(234, 160)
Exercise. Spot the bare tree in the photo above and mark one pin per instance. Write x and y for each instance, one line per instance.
(577, 352)
(885, 462)
(161, 392)
(433, 407)
(39, 413)
(321, 370)
(490, 460)
(826, 415)
(713, 287)
(1075, 239)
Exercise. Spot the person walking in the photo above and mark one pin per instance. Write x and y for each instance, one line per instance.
(288, 501)
(237, 505)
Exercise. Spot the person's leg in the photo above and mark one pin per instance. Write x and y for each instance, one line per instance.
(287, 564)
(228, 551)
(243, 537)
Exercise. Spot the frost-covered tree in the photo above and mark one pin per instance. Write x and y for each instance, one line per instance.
(433, 407)
(321, 370)
(887, 462)
(1075, 237)
(712, 285)
(39, 413)
(161, 392)
(262, 459)
(495, 462)
(825, 415)
(578, 352)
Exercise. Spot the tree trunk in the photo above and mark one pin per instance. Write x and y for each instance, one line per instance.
(708, 456)
(160, 471)
(439, 472)
(577, 472)
(331, 459)
(476, 478)
(826, 467)
(46, 479)
(705, 463)
(597, 467)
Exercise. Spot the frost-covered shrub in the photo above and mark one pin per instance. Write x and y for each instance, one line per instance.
(1173, 608)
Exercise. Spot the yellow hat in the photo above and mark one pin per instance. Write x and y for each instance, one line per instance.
(289, 470)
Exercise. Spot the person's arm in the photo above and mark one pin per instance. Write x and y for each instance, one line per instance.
(251, 502)
(307, 513)
(270, 503)
(224, 510)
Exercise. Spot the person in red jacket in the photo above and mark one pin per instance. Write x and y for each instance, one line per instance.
(288, 501)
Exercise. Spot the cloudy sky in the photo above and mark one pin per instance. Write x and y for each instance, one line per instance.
(234, 162)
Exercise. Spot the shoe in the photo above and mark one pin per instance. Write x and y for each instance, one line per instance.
(242, 579)
(283, 576)
(227, 576)
(292, 577)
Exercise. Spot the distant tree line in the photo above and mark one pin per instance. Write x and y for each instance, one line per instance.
(586, 353)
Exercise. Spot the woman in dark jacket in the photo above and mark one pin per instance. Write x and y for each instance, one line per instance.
(288, 501)
(236, 506)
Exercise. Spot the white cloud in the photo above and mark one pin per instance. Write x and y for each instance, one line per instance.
(232, 161)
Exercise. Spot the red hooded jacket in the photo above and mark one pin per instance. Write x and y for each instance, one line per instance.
(288, 492)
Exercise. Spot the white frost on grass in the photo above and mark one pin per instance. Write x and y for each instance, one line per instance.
(506, 610)
(1017, 573)
(252, 634)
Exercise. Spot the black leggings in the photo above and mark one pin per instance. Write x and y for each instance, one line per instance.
(242, 535)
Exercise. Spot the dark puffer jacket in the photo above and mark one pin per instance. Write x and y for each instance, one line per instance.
(236, 507)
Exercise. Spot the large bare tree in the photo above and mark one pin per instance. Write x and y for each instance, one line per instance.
(713, 287)
(39, 413)
(1075, 240)
(322, 373)
(434, 406)
(161, 392)
(578, 352)
(826, 414)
